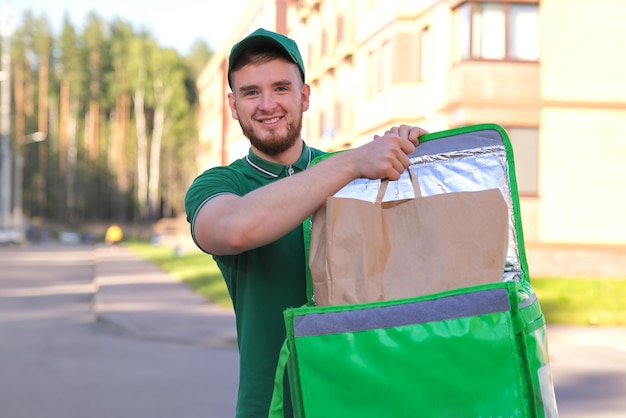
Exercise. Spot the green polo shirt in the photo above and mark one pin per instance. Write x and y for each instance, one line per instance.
(262, 282)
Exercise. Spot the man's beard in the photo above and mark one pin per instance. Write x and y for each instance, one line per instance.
(274, 145)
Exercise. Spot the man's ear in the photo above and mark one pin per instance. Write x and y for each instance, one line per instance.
(233, 106)
(306, 93)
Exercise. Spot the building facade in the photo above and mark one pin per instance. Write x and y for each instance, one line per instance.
(550, 72)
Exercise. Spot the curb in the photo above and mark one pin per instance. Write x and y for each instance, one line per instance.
(123, 328)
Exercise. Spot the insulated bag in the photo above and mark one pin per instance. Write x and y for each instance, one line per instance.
(470, 351)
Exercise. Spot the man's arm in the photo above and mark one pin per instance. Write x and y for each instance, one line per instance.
(230, 224)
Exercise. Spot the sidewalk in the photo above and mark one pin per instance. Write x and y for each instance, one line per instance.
(587, 336)
(135, 297)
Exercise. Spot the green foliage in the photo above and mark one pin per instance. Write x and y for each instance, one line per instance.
(198, 56)
(582, 301)
(197, 270)
(89, 166)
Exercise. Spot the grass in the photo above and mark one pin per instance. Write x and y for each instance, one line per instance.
(197, 270)
(582, 301)
(563, 300)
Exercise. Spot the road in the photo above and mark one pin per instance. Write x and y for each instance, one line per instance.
(589, 371)
(57, 362)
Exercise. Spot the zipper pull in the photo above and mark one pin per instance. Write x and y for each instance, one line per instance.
(290, 170)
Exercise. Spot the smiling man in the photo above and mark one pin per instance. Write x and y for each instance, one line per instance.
(249, 214)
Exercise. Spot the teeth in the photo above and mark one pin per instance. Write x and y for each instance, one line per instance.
(273, 120)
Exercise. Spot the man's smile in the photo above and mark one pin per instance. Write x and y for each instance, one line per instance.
(270, 121)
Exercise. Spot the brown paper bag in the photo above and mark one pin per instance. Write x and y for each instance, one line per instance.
(362, 251)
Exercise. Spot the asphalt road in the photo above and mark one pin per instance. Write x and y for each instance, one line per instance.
(56, 361)
(589, 372)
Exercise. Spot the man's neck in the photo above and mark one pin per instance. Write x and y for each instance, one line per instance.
(287, 157)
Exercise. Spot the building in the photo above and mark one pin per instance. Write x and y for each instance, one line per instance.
(548, 71)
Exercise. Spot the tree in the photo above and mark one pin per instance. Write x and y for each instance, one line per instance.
(31, 59)
(73, 77)
(199, 55)
(120, 112)
(122, 38)
(170, 104)
(140, 57)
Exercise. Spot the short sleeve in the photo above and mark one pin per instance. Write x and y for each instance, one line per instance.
(213, 182)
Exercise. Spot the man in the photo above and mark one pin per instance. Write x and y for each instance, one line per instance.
(249, 214)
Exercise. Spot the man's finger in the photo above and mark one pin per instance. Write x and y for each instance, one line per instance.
(415, 133)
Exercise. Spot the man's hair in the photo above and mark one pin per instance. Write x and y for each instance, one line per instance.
(258, 57)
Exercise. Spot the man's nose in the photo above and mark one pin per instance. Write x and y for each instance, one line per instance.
(267, 102)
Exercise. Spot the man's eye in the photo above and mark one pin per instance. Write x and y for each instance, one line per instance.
(251, 93)
(281, 89)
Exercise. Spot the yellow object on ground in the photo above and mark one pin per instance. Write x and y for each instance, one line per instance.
(113, 235)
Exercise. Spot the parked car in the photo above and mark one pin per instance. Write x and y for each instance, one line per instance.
(11, 236)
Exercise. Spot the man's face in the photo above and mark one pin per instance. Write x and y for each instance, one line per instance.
(268, 101)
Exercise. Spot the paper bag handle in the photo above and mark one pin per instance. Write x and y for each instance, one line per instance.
(384, 183)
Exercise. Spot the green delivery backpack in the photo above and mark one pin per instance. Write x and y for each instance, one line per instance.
(477, 351)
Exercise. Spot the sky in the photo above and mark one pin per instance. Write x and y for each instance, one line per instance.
(173, 23)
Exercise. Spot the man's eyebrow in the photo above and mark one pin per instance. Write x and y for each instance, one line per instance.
(279, 83)
(248, 87)
(282, 83)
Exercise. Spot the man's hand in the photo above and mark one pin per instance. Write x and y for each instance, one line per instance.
(412, 133)
(387, 156)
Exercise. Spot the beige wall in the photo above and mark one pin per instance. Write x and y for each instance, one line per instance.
(575, 95)
(583, 44)
(583, 122)
(582, 175)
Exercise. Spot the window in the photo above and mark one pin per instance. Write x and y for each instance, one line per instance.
(525, 142)
(496, 31)
(371, 73)
(488, 31)
(340, 29)
(339, 115)
(425, 54)
(523, 32)
(321, 123)
(385, 64)
(379, 68)
(462, 30)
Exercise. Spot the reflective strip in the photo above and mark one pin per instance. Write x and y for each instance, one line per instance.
(532, 299)
(366, 318)
(548, 397)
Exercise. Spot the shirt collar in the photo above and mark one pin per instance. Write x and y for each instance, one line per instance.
(275, 170)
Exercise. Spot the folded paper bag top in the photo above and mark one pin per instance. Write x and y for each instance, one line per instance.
(363, 252)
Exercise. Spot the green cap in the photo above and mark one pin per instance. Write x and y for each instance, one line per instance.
(260, 38)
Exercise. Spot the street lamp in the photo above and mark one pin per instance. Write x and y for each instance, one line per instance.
(18, 175)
